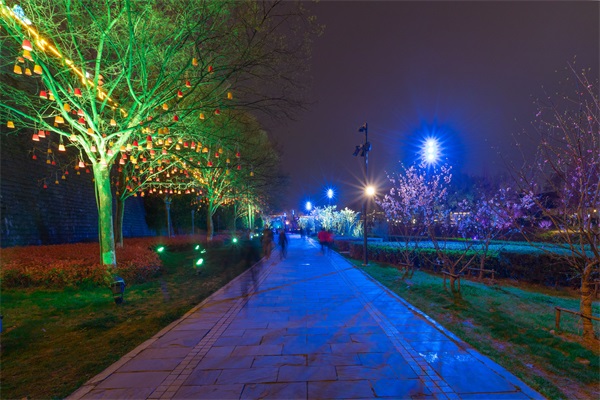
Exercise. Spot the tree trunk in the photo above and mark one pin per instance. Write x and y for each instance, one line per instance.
(168, 211)
(586, 307)
(106, 234)
(119, 215)
(209, 224)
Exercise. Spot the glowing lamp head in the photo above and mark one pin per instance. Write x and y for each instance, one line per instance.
(160, 249)
(200, 262)
(330, 193)
(370, 191)
(308, 206)
(430, 151)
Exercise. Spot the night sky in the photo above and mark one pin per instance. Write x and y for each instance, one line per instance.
(466, 72)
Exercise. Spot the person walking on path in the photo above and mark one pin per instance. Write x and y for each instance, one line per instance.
(322, 237)
(283, 242)
(267, 242)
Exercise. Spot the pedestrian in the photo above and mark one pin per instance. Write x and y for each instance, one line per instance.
(283, 242)
(322, 237)
(267, 242)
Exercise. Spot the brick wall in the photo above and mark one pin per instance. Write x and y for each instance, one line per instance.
(63, 213)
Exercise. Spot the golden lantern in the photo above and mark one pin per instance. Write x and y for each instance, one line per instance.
(59, 120)
(205, 150)
(61, 147)
(63, 177)
(67, 107)
(72, 138)
(228, 161)
(27, 55)
(18, 70)
(165, 106)
(177, 147)
(37, 69)
(90, 131)
(27, 72)
(202, 116)
(51, 96)
(81, 164)
(10, 124)
(93, 149)
(229, 96)
(195, 62)
(113, 122)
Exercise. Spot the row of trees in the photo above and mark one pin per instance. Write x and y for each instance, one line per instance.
(154, 97)
(345, 222)
(558, 191)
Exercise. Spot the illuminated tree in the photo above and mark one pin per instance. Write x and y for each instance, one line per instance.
(562, 186)
(105, 75)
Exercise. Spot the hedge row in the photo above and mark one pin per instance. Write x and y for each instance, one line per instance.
(537, 267)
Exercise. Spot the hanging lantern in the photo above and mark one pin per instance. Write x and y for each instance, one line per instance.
(217, 154)
(210, 69)
(113, 122)
(175, 118)
(45, 186)
(77, 92)
(152, 153)
(59, 120)
(26, 45)
(17, 69)
(188, 84)
(37, 69)
(228, 161)
(90, 131)
(251, 173)
(179, 94)
(165, 106)
(81, 164)
(10, 124)
(122, 161)
(177, 147)
(41, 133)
(202, 116)
(164, 151)
(238, 154)
(128, 148)
(51, 96)
(48, 161)
(35, 137)
(239, 167)
(27, 72)
(67, 107)
(87, 170)
(210, 164)
(227, 171)
(43, 95)
(109, 153)
(229, 96)
(149, 146)
(53, 162)
(205, 150)
(195, 62)
(34, 157)
(80, 113)
(27, 55)
(217, 112)
(63, 177)
(61, 147)
(93, 149)
(72, 138)
(81, 120)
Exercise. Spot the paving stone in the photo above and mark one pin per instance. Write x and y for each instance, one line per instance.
(400, 388)
(221, 392)
(289, 391)
(279, 361)
(267, 349)
(358, 372)
(225, 362)
(201, 377)
(333, 359)
(133, 380)
(305, 373)
(124, 393)
(237, 341)
(248, 375)
(161, 364)
(340, 390)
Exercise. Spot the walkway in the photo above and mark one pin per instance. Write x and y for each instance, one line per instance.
(308, 327)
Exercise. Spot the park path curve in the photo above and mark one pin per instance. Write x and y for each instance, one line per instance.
(310, 326)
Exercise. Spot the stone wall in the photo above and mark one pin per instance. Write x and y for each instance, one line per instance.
(62, 213)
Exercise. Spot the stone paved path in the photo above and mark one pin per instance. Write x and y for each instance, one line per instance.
(307, 327)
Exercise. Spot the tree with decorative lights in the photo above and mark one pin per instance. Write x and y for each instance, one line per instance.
(107, 78)
(562, 186)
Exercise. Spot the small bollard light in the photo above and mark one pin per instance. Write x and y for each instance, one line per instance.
(234, 240)
(160, 249)
(118, 289)
(199, 262)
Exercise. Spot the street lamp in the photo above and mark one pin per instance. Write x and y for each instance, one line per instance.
(330, 194)
(363, 150)
(308, 206)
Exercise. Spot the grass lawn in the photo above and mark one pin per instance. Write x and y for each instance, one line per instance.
(56, 340)
(511, 325)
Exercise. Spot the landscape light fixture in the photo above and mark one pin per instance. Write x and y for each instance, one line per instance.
(363, 150)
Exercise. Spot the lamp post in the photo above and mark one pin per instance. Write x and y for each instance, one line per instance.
(363, 150)
(330, 195)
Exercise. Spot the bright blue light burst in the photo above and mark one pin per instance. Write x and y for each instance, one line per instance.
(330, 193)
(430, 151)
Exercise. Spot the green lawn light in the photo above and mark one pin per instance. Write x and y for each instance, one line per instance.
(160, 249)
(197, 247)
(199, 262)
(234, 240)
(118, 289)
